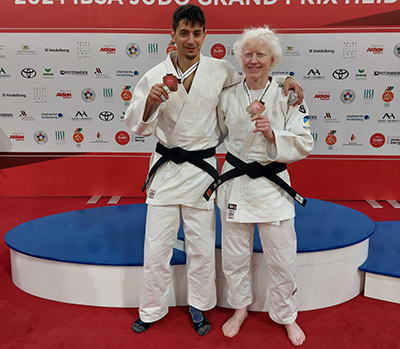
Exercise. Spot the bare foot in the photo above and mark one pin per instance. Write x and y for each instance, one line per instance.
(295, 334)
(232, 326)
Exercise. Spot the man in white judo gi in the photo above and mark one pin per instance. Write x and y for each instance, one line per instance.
(176, 101)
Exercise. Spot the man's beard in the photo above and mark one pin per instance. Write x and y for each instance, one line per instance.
(190, 56)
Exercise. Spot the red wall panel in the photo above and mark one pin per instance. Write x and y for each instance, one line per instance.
(320, 177)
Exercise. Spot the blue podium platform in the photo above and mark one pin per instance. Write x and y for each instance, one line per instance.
(115, 235)
(384, 250)
(95, 256)
(382, 268)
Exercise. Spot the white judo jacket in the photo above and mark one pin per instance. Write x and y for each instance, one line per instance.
(259, 200)
(186, 120)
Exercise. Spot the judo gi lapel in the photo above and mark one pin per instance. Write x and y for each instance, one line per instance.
(244, 102)
(168, 63)
(187, 98)
(234, 211)
(269, 100)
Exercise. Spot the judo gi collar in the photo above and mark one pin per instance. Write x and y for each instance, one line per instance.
(183, 76)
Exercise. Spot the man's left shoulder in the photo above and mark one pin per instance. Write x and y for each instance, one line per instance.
(217, 63)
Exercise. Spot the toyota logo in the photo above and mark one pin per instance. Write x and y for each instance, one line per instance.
(340, 74)
(106, 116)
(28, 73)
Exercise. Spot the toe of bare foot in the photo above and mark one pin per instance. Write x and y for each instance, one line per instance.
(232, 326)
(295, 334)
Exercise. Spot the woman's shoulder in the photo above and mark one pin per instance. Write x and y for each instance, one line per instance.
(231, 88)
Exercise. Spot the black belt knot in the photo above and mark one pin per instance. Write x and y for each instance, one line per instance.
(179, 155)
(254, 170)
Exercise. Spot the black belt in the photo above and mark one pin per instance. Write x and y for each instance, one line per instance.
(254, 170)
(179, 155)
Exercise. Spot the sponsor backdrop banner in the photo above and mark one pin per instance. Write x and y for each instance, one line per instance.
(221, 14)
(67, 92)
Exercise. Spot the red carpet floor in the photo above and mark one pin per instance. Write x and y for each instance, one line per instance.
(30, 322)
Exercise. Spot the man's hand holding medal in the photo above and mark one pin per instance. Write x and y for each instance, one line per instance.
(171, 82)
(160, 92)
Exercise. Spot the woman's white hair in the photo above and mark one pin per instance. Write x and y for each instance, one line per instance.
(266, 35)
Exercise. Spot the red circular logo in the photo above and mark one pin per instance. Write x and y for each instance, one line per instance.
(126, 95)
(218, 51)
(387, 96)
(169, 81)
(78, 137)
(122, 138)
(258, 106)
(377, 140)
(330, 139)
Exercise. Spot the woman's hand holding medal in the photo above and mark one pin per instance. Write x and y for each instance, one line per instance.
(263, 125)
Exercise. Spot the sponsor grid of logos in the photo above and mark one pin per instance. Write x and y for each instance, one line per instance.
(69, 92)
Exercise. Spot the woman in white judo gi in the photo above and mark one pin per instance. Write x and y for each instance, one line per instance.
(279, 134)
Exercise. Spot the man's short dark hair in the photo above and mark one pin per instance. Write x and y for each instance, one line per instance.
(190, 14)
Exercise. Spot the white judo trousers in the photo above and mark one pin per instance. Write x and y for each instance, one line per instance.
(162, 225)
(279, 246)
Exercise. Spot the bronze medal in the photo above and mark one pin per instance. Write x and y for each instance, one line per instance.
(256, 107)
(171, 81)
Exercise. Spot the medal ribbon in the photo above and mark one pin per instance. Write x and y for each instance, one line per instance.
(263, 92)
(183, 76)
